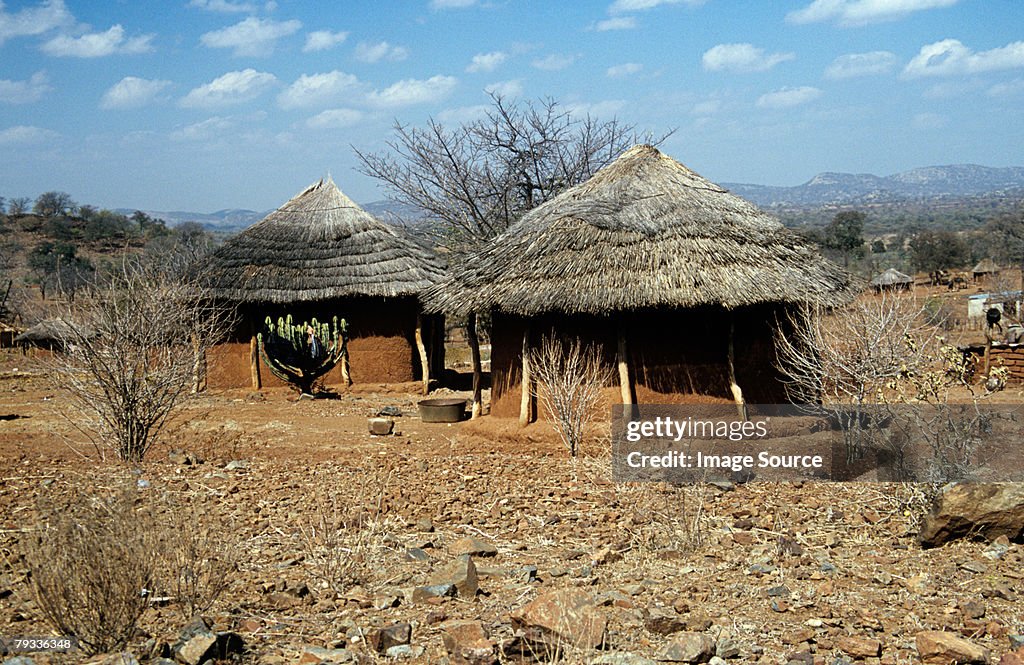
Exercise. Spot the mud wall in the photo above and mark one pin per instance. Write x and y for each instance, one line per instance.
(676, 356)
(382, 343)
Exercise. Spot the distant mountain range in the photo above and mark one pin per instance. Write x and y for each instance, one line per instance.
(938, 183)
(929, 182)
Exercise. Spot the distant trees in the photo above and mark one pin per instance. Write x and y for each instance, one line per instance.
(18, 205)
(58, 265)
(938, 250)
(51, 204)
(479, 177)
(844, 235)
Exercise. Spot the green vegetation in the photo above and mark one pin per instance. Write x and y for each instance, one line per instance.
(299, 354)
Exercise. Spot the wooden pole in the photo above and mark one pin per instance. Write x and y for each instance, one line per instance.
(526, 401)
(254, 363)
(737, 392)
(424, 360)
(625, 378)
(197, 359)
(474, 347)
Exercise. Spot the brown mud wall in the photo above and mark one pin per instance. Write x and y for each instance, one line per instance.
(676, 356)
(381, 346)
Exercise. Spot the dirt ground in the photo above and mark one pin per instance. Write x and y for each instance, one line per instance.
(771, 572)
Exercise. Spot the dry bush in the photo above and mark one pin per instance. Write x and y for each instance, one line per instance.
(569, 381)
(133, 354)
(92, 566)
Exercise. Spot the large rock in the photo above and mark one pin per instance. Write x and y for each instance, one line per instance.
(461, 574)
(467, 644)
(567, 617)
(688, 648)
(394, 635)
(473, 547)
(939, 648)
(986, 510)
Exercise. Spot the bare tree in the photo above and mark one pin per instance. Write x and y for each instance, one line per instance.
(569, 381)
(132, 356)
(478, 178)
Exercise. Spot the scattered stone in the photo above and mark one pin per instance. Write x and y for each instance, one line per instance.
(779, 592)
(1016, 641)
(236, 465)
(934, 646)
(859, 647)
(997, 549)
(403, 651)
(316, 655)
(663, 621)
(389, 412)
(565, 616)
(416, 554)
(688, 648)
(473, 547)
(606, 555)
(987, 510)
(467, 644)
(1015, 658)
(977, 567)
(621, 658)
(461, 574)
(798, 636)
(528, 574)
(19, 660)
(386, 601)
(122, 658)
(195, 644)
(430, 592)
(381, 426)
(973, 609)
(716, 660)
(424, 526)
(382, 639)
(727, 648)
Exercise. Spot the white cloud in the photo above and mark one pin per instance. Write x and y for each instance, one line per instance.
(616, 23)
(621, 6)
(224, 6)
(511, 88)
(624, 70)
(335, 119)
(451, 4)
(132, 92)
(861, 12)
(203, 131)
(22, 134)
(1013, 87)
(369, 52)
(251, 37)
(98, 44)
(554, 62)
(950, 57)
(785, 98)
(741, 58)
(928, 121)
(32, 21)
(853, 65)
(231, 88)
(606, 109)
(317, 89)
(413, 91)
(706, 108)
(322, 40)
(25, 92)
(486, 62)
(463, 114)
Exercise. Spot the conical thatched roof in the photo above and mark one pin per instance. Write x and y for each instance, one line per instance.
(892, 277)
(317, 246)
(985, 266)
(645, 231)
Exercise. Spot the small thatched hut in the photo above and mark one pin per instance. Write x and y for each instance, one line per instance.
(683, 284)
(892, 280)
(321, 255)
(984, 268)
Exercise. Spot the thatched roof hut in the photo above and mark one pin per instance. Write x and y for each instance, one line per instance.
(51, 334)
(322, 255)
(985, 267)
(892, 280)
(317, 246)
(645, 244)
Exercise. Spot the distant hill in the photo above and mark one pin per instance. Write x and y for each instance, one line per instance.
(929, 182)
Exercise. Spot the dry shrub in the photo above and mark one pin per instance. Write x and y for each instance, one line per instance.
(569, 379)
(92, 567)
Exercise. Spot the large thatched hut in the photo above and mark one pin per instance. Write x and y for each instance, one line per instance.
(985, 268)
(892, 280)
(683, 284)
(321, 255)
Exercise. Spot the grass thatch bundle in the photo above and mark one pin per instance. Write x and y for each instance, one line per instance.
(644, 232)
(317, 246)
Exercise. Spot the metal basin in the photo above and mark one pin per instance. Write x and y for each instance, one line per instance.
(445, 410)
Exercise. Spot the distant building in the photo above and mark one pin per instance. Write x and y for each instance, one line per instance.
(892, 280)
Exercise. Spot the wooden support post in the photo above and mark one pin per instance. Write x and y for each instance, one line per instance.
(526, 402)
(474, 347)
(424, 360)
(737, 392)
(197, 359)
(625, 376)
(345, 375)
(254, 363)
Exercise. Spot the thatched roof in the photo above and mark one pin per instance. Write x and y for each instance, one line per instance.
(892, 277)
(51, 332)
(643, 232)
(317, 246)
(985, 267)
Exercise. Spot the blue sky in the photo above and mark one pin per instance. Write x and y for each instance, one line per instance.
(208, 104)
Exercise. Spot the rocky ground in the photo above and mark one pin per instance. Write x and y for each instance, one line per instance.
(481, 542)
